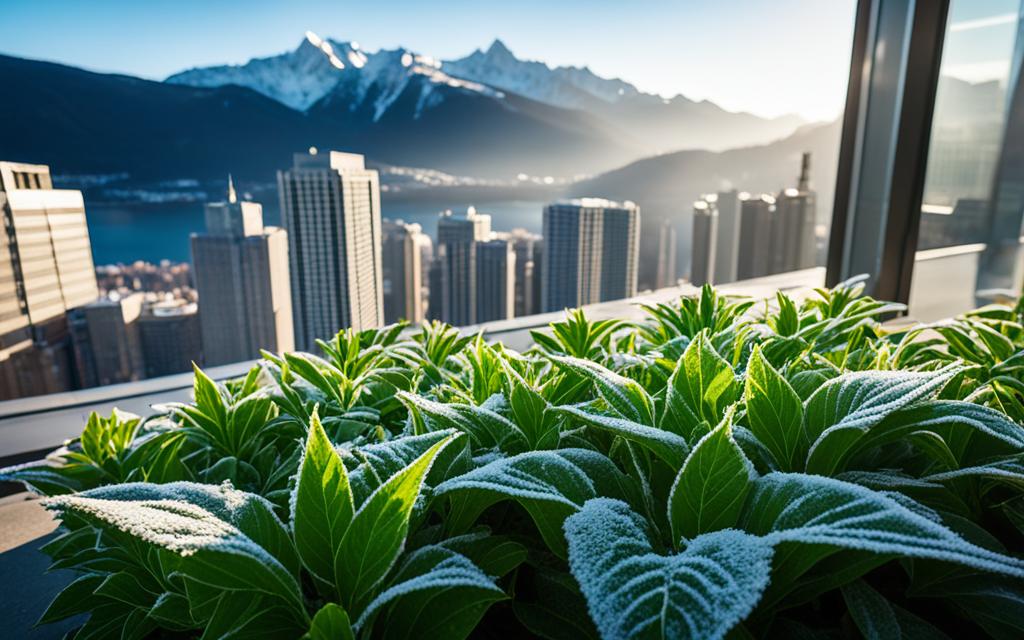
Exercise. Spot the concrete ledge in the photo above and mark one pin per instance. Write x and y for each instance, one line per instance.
(27, 589)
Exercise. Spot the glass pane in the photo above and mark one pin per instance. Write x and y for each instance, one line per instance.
(967, 161)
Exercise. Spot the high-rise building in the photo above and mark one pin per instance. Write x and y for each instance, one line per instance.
(794, 243)
(757, 215)
(105, 335)
(591, 251)
(538, 259)
(402, 251)
(666, 275)
(525, 246)
(727, 245)
(170, 336)
(454, 300)
(705, 242)
(241, 273)
(330, 206)
(46, 269)
(495, 280)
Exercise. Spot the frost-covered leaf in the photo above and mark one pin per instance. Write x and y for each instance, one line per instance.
(435, 593)
(699, 390)
(550, 485)
(376, 535)
(253, 515)
(951, 432)
(668, 446)
(775, 413)
(812, 516)
(322, 505)
(487, 428)
(972, 431)
(843, 409)
(370, 465)
(633, 592)
(626, 397)
(1008, 470)
(213, 551)
(709, 491)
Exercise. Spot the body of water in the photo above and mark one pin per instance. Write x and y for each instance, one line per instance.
(126, 232)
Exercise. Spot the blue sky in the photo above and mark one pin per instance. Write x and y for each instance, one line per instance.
(765, 56)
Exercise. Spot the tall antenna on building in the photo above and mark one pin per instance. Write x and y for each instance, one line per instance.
(232, 196)
(805, 172)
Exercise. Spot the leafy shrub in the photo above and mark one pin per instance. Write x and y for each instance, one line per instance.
(724, 468)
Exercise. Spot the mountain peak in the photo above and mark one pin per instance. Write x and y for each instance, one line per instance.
(498, 49)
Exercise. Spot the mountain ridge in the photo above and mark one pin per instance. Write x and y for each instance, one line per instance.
(317, 67)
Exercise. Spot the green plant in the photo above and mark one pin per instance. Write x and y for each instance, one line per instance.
(724, 468)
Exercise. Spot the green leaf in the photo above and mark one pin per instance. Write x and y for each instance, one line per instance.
(843, 409)
(376, 535)
(435, 593)
(557, 610)
(124, 587)
(330, 623)
(871, 612)
(73, 599)
(1009, 471)
(375, 463)
(626, 397)
(699, 390)
(709, 491)
(995, 603)
(213, 551)
(253, 515)
(809, 517)
(775, 413)
(633, 592)
(321, 505)
(487, 428)
(550, 485)
(668, 446)
(529, 409)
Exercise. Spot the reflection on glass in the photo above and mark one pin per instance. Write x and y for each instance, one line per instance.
(972, 131)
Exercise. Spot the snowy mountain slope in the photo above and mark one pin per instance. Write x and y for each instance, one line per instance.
(317, 66)
(297, 79)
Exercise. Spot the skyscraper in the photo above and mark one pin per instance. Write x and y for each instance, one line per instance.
(241, 274)
(403, 273)
(105, 334)
(525, 245)
(666, 275)
(170, 336)
(330, 205)
(454, 300)
(46, 269)
(705, 242)
(757, 215)
(591, 250)
(794, 245)
(727, 245)
(495, 280)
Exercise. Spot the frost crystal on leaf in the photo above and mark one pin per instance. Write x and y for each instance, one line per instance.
(633, 592)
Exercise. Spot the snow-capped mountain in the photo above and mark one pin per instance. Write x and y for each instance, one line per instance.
(567, 87)
(318, 67)
(297, 79)
(347, 76)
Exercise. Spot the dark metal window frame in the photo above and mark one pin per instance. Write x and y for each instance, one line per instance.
(889, 105)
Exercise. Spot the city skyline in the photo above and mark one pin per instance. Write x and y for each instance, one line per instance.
(143, 39)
